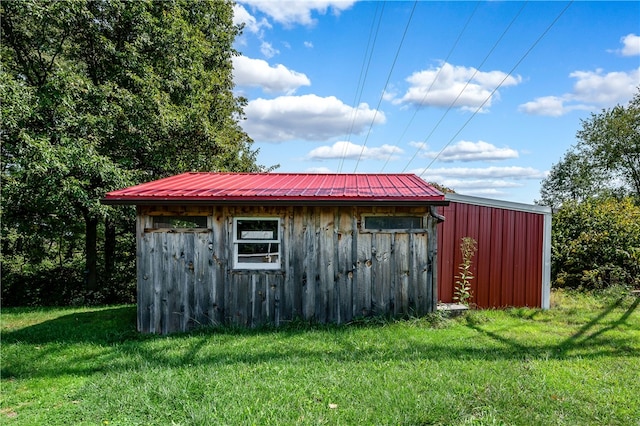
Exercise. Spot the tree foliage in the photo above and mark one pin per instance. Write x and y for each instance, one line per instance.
(98, 95)
(596, 191)
(596, 243)
(605, 161)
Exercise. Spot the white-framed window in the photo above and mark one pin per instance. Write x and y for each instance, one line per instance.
(256, 243)
(402, 223)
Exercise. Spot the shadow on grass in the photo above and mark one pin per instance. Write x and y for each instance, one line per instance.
(104, 340)
(588, 332)
(587, 338)
(100, 326)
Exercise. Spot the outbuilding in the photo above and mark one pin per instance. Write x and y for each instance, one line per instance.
(512, 265)
(266, 248)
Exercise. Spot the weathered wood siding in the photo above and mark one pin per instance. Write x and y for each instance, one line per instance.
(331, 269)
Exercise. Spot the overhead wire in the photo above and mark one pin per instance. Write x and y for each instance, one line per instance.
(452, 104)
(453, 47)
(544, 33)
(362, 78)
(395, 59)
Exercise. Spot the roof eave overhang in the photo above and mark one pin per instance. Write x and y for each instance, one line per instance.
(275, 201)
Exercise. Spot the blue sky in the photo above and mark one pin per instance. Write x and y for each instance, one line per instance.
(482, 97)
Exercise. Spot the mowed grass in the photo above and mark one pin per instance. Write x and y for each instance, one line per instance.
(575, 364)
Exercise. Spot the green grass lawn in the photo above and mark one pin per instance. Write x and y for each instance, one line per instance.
(575, 364)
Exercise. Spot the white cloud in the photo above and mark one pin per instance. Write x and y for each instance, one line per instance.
(592, 90)
(298, 12)
(242, 16)
(605, 89)
(552, 106)
(462, 87)
(480, 184)
(268, 50)
(507, 172)
(487, 192)
(308, 117)
(308, 45)
(258, 73)
(348, 150)
(487, 182)
(479, 187)
(631, 45)
(419, 145)
(470, 151)
(319, 170)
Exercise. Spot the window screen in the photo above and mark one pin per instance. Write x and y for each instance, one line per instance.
(392, 222)
(184, 222)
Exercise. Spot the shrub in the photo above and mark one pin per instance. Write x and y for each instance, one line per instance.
(596, 244)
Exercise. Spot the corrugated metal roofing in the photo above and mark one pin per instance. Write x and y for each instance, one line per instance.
(280, 188)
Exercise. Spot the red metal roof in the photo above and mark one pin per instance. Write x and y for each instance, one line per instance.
(280, 188)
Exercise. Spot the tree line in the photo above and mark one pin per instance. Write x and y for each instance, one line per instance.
(595, 191)
(103, 94)
(99, 95)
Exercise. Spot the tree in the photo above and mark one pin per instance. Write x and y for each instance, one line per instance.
(596, 243)
(605, 161)
(102, 94)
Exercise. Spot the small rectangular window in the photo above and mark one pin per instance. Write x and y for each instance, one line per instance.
(179, 222)
(256, 243)
(373, 223)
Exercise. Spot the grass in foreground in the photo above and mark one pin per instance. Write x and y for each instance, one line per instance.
(576, 364)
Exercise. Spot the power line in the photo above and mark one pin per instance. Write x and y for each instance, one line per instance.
(453, 47)
(499, 85)
(404, 34)
(477, 69)
(361, 80)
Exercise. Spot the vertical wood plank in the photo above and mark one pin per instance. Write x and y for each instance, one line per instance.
(240, 299)
(422, 261)
(401, 273)
(432, 264)
(393, 267)
(255, 301)
(364, 285)
(146, 277)
(187, 272)
(355, 278)
(344, 262)
(172, 295)
(160, 259)
(218, 262)
(414, 276)
(310, 262)
(297, 279)
(325, 275)
(381, 258)
(284, 302)
(230, 291)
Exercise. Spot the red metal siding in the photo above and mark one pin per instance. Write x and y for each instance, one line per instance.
(508, 264)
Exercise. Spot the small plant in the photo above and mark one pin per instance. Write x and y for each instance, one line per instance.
(462, 292)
